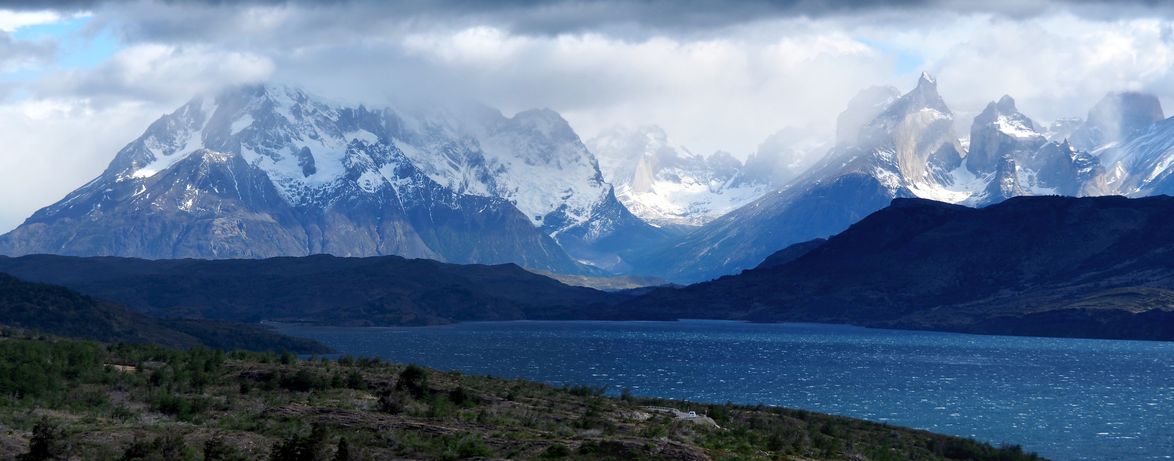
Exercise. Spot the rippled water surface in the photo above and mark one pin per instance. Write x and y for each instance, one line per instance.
(1067, 399)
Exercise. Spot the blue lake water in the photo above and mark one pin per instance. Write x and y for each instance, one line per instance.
(1067, 399)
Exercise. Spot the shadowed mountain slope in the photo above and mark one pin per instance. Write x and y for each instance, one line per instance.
(1099, 267)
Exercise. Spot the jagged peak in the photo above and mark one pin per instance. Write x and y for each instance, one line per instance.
(927, 87)
(926, 79)
(923, 96)
(1006, 104)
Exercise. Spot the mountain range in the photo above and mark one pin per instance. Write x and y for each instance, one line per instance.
(891, 145)
(673, 188)
(265, 171)
(1097, 267)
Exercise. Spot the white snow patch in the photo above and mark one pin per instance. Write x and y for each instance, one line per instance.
(242, 123)
(1015, 128)
(965, 187)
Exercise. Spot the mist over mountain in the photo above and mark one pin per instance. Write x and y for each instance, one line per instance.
(891, 146)
(265, 170)
(261, 171)
(669, 186)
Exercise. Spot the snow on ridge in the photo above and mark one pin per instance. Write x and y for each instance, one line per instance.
(1015, 128)
(307, 148)
(162, 154)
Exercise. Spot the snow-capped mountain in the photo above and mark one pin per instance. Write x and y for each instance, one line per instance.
(261, 171)
(1140, 166)
(668, 185)
(269, 170)
(908, 146)
(889, 147)
(1000, 130)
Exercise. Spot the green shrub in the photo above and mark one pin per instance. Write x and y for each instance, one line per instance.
(48, 442)
(414, 380)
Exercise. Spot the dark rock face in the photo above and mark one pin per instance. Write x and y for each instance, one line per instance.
(1059, 166)
(924, 264)
(1005, 183)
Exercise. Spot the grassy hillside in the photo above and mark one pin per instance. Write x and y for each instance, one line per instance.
(92, 401)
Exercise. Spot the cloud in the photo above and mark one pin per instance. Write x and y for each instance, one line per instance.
(53, 146)
(22, 54)
(715, 75)
(12, 20)
(554, 17)
(156, 73)
(1056, 66)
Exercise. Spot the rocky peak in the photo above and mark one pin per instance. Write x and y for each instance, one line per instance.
(1005, 183)
(926, 79)
(924, 96)
(915, 135)
(1001, 131)
(1006, 104)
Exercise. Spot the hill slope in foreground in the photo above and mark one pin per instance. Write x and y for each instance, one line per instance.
(1097, 267)
(85, 400)
(381, 290)
(59, 311)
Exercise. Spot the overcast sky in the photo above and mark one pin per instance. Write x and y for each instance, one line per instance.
(79, 79)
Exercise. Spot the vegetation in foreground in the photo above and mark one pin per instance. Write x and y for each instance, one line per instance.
(67, 399)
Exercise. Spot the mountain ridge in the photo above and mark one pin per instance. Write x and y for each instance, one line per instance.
(1099, 262)
(295, 176)
(378, 290)
(892, 146)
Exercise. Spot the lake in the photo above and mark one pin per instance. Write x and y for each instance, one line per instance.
(1067, 399)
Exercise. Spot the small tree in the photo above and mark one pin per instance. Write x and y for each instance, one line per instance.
(390, 402)
(414, 380)
(48, 442)
(343, 453)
